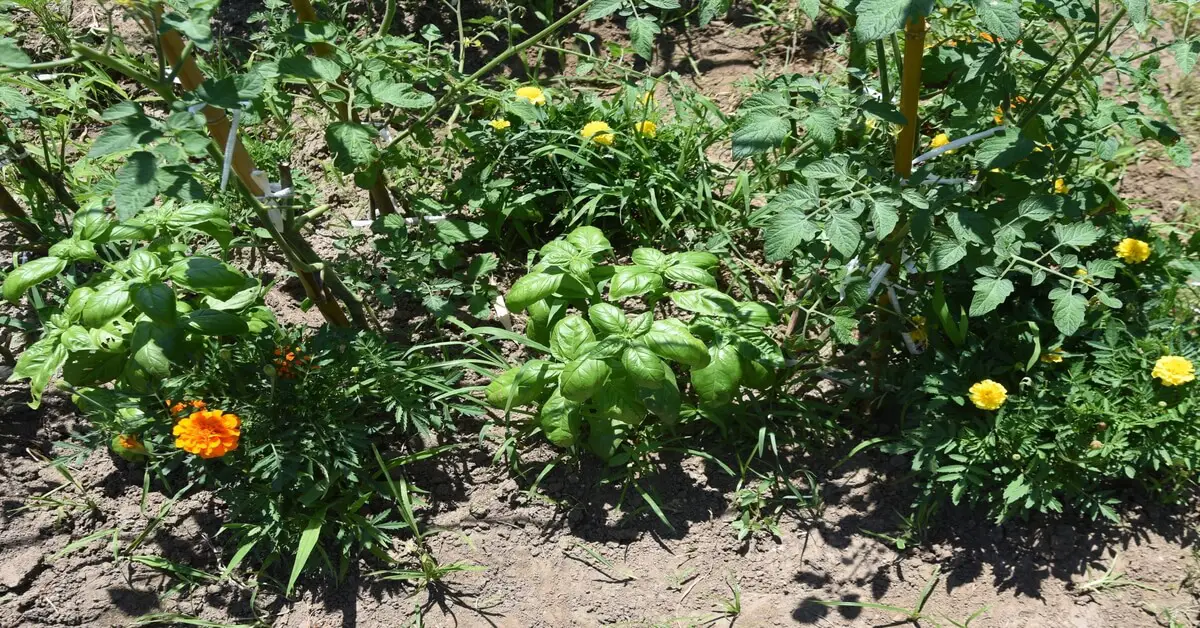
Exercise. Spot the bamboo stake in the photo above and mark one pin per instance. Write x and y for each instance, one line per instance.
(301, 257)
(910, 93)
(216, 119)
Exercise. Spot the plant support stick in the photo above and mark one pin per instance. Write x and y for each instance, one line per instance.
(910, 93)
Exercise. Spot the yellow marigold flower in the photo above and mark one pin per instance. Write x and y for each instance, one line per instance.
(1133, 251)
(647, 128)
(1060, 187)
(646, 100)
(532, 94)
(499, 125)
(1174, 370)
(988, 395)
(940, 140)
(208, 433)
(1053, 356)
(599, 132)
(920, 334)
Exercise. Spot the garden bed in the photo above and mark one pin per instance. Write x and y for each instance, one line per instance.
(838, 477)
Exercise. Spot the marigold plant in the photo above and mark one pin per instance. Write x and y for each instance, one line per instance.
(988, 395)
(1173, 370)
(208, 433)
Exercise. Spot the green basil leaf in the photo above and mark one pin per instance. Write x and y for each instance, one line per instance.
(582, 378)
(757, 375)
(664, 401)
(561, 420)
(706, 301)
(30, 274)
(156, 300)
(590, 240)
(207, 275)
(531, 288)
(74, 250)
(608, 318)
(717, 383)
(521, 385)
(649, 257)
(634, 281)
(215, 323)
(670, 339)
(646, 369)
(699, 259)
(569, 337)
(110, 301)
(38, 363)
(692, 275)
(640, 324)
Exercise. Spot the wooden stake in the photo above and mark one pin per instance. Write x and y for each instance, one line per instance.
(217, 119)
(910, 93)
(293, 247)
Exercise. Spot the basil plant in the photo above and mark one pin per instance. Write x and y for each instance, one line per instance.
(131, 304)
(614, 358)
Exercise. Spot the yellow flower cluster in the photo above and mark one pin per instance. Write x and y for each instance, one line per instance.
(919, 335)
(532, 95)
(647, 128)
(988, 395)
(599, 132)
(1133, 251)
(1173, 370)
(1053, 356)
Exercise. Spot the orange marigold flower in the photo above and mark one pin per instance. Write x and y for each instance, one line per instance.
(131, 443)
(199, 405)
(177, 408)
(208, 433)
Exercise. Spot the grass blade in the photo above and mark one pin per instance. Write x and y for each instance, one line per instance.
(308, 541)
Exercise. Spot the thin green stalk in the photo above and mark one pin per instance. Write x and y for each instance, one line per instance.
(884, 88)
(899, 57)
(121, 67)
(45, 65)
(1080, 59)
(491, 65)
(389, 14)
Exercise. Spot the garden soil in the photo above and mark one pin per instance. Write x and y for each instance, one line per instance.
(575, 553)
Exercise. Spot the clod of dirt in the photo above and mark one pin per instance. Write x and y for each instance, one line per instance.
(20, 568)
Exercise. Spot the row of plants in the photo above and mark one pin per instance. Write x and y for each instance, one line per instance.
(932, 239)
